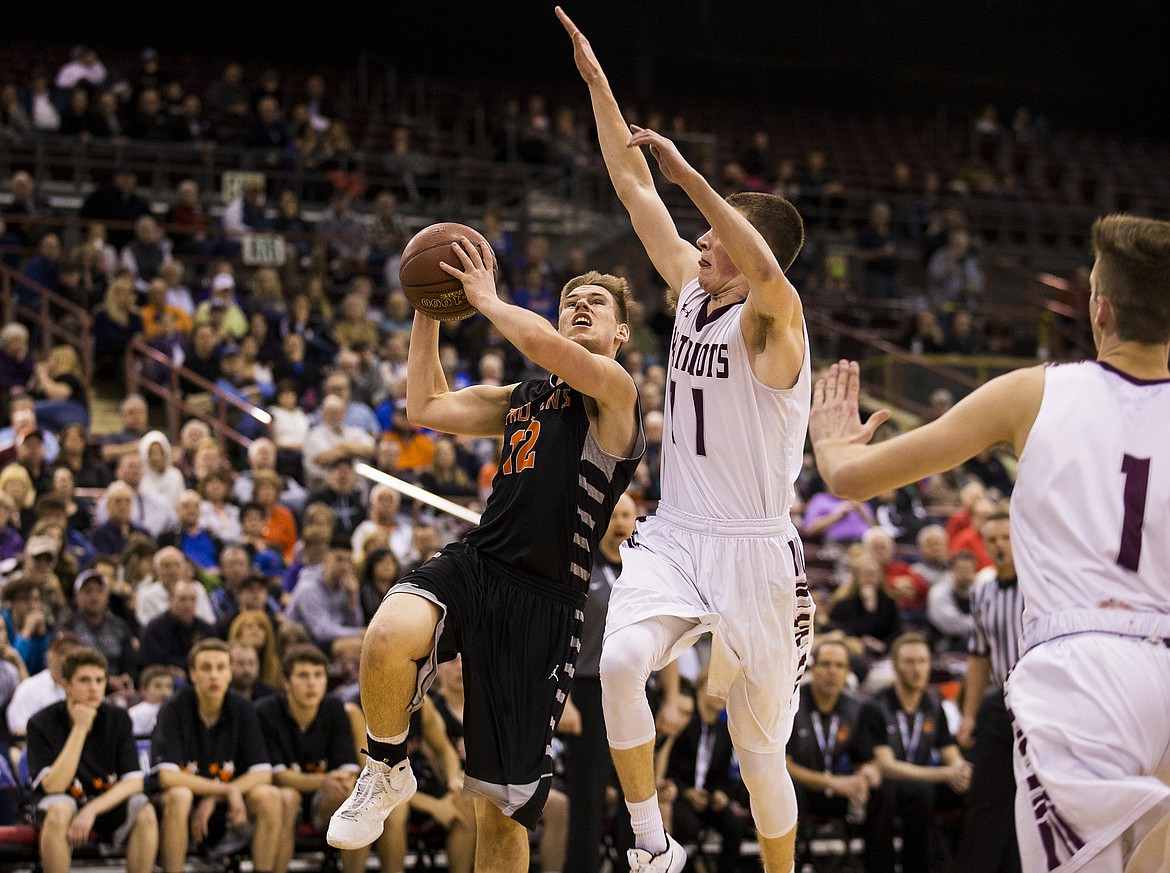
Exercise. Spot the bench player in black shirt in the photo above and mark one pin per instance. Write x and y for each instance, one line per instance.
(86, 774)
(212, 765)
(510, 595)
(309, 741)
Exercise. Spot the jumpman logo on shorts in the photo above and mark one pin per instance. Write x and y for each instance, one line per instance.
(553, 674)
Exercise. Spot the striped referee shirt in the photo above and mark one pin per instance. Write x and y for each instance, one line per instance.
(998, 610)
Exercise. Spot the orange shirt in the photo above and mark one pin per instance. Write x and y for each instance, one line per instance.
(281, 531)
(417, 452)
(152, 320)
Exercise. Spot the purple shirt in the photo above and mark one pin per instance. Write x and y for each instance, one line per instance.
(848, 529)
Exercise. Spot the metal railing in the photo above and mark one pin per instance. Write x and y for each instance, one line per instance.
(48, 317)
(177, 403)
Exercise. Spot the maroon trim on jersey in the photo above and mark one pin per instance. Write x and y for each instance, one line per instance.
(705, 318)
(1133, 380)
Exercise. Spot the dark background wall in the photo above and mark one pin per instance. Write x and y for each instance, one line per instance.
(1085, 64)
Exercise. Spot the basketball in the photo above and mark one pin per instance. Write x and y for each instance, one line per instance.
(433, 292)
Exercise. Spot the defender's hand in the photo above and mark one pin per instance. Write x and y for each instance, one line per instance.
(670, 160)
(587, 64)
(835, 415)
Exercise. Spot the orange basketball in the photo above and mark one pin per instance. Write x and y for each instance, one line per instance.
(433, 292)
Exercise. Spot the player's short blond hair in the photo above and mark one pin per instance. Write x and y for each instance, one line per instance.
(618, 288)
(1133, 274)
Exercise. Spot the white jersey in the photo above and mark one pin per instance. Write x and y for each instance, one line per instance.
(731, 446)
(1091, 509)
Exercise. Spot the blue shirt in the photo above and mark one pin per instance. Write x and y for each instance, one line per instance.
(31, 651)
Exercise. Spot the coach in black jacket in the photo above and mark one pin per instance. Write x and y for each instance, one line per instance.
(700, 766)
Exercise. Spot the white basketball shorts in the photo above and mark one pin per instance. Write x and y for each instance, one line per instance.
(1091, 713)
(742, 581)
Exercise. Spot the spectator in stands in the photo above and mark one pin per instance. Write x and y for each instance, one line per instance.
(189, 125)
(878, 253)
(149, 120)
(160, 479)
(445, 477)
(700, 767)
(86, 774)
(229, 95)
(40, 689)
(840, 521)
(145, 255)
(43, 107)
(413, 168)
(989, 469)
(290, 423)
(168, 638)
(342, 494)
(17, 364)
(157, 685)
(862, 608)
(830, 757)
(331, 440)
(229, 784)
(535, 293)
(908, 589)
(380, 569)
(219, 517)
(262, 455)
(99, 629)
(106, 121)
(115, 325)
(41, 269)
(253, 627)
(384, 520)
(110, 537)
(925, 336)
(280, 528)
(246, 680)
(416, 450)
(154, 596)
(948, 606)
(387, 237)
(116, 202)
(326, 603)
(933, 562)
(234, 324)
(970, 539)
(970, 494)
(11, 542)
(914, 750)
(149, 512)
(962, 336)
(953, 272)
(15, 123)
(25, 622)
(200, 546)
(30, 454)
(265, 558)
(178, 294)
(268, 130)
(58, 389)
(309, 741)
(235, 566)
(157, 308)
(245, 214)
(83, 69)
(17, 484)
(22, 415)
(345, 236)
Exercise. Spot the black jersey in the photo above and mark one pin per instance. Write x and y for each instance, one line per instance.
(555, 489)
(325, 745)
(108, 756)
(231, 747)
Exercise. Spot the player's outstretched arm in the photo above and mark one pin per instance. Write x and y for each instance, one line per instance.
(478, 410)
(673, 257)
(772, 295)
(596, 376)
(1001, 411)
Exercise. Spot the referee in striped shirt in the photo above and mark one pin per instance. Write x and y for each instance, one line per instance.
(989, 830)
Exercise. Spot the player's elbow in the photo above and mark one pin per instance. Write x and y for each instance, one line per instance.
(849, 482)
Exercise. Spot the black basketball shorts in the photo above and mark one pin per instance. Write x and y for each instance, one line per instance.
(519, 636)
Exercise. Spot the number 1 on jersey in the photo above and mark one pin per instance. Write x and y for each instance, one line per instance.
(1137, 484)
(700, 430)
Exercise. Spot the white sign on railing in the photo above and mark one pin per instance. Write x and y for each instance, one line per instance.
(263, 250)
(231, 184)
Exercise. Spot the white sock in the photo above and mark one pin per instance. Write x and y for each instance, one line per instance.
(646, 820)
(395, 740)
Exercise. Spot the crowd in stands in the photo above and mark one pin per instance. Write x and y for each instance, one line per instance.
(201, 582)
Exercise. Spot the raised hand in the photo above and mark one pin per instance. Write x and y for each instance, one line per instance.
(835, 415)
(670, 160)
(587, 64)
(479, 282)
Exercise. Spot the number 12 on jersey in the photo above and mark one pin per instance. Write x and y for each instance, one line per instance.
(700, 435)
